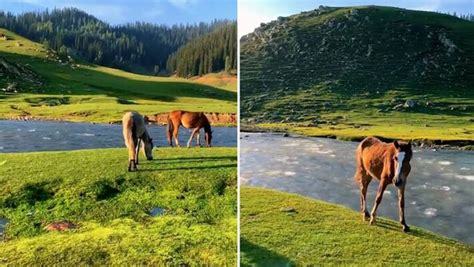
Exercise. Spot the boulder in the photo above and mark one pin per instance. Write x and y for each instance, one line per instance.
(409, 104)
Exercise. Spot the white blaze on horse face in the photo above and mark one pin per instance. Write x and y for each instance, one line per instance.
(400, 158)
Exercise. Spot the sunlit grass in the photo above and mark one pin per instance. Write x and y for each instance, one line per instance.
(280, 229)
(92, 188)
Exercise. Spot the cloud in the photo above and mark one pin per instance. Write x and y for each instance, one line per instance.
(250, 17)
(428, 5)
(183, 4)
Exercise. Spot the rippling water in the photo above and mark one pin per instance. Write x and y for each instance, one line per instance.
(22, 136)
(439, 194)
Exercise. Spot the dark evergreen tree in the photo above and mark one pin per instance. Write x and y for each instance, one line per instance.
(215, 51)
(73, 32)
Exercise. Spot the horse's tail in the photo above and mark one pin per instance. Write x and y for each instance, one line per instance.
(360, 169)
(169, 130)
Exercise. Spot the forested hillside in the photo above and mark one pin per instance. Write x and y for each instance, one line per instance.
(210, 53)
(141, 47)
(356, 71)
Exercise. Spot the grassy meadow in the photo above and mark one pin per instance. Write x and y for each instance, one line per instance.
(84, 92)
(280, 229)
(196, 188)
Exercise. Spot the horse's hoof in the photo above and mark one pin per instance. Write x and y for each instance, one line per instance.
(372, 221)
(406, 229)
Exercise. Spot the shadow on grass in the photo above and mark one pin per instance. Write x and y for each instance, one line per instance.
(197, 159)
(255, 255)
(190, 168)
(394, 226)
(124, 89)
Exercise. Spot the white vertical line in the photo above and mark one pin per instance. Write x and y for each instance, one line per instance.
(238, 138)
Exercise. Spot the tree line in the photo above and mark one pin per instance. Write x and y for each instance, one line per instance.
(212, 52)
(139, 46)
(466, 16)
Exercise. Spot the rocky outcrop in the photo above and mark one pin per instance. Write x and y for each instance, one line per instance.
(14, 74)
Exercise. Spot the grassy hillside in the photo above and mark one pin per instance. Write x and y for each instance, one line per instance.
(75, 91)
(280, 229)
(356, 71)
(195, 187)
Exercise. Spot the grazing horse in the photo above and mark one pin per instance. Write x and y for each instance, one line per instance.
(134, 133)
(387, 162)
(188, 119)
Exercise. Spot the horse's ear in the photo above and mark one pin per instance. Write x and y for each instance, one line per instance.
(409, 144)
(396, 144)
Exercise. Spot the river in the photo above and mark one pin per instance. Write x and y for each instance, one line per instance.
(25, 136)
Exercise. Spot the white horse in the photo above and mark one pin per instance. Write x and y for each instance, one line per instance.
(134, 133)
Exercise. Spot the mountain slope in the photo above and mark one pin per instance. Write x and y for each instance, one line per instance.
(355, 69)
(61, 88)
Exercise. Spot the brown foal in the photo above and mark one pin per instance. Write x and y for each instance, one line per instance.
(387, 162)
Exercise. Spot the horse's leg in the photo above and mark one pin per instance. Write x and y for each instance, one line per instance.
(363, 179)
(364, 184)
(198, 138)
(137, 151)
(169, 131)
(401, 208)
(192, 136)
(131, 158)
(131, 153)
(175, 134)
(378, 199)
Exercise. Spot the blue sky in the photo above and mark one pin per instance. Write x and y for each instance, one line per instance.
(123, 11)
(253, 12)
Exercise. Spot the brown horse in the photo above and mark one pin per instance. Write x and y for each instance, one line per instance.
(188, 119)
(387, 162)
(134, 133)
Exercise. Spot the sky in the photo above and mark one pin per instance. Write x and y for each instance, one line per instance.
(122, 11)
(254, 12)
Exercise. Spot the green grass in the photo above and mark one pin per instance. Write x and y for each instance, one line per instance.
(312, 73)
(321, 233)
(95, 93)
(92, 188)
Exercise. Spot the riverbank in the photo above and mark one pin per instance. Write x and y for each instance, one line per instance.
(440, 140)
(216, 118)
(178, 209)
(281, 229)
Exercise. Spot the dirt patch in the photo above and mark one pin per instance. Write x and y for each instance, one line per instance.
(60, 226)
(221, 80)
(214, 118)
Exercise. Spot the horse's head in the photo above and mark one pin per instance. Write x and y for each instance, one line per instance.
(402, 157)
(148, 148)
(208, 137)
